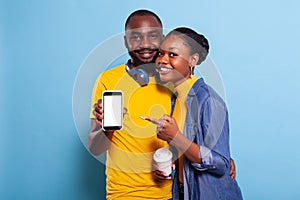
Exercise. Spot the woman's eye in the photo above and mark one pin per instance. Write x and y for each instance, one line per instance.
(172, 54)
(159, 53)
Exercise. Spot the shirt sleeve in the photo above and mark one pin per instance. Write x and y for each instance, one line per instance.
(214, 142)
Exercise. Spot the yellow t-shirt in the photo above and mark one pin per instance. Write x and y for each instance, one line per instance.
(129, 157)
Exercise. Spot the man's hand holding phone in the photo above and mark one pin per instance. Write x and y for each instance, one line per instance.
(109, 110)
(98, 112)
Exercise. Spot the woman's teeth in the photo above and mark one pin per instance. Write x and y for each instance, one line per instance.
(165, 69)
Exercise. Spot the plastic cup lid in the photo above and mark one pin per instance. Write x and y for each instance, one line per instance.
(162, 155)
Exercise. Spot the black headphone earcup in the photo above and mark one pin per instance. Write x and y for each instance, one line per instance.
(143, 77)
(140, 76)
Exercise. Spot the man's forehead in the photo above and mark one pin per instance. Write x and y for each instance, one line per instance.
(144, 30)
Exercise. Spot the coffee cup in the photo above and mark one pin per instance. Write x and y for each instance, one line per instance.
(163, 159)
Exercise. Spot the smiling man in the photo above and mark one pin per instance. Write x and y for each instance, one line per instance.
(130, 150)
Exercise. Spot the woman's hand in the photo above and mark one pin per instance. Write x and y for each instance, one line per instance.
(167, 128)
(160, 175)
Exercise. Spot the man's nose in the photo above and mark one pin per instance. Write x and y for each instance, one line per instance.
(145, 42)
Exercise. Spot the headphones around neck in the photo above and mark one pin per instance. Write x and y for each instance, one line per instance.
(139, 75)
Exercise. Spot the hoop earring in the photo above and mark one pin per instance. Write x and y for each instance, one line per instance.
(192, 72)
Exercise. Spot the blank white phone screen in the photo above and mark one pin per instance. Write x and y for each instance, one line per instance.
(112, 110)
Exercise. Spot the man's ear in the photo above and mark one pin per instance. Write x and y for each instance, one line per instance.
(125, 42)
(194, 59)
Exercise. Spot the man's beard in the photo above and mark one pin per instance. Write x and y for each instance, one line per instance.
(148, 66)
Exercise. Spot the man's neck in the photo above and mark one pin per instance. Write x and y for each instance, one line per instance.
(148, 69)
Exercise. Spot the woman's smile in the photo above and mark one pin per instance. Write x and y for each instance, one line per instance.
(163, 70)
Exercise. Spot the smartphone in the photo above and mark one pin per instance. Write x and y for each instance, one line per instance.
(112, 103)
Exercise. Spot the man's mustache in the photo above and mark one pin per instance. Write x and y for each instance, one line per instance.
(145, 49)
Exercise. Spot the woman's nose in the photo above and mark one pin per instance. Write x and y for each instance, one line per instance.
(163, 59)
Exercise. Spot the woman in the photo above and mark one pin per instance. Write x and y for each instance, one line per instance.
(198, 128)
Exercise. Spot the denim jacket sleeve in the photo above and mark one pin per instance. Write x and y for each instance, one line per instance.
(213, 137)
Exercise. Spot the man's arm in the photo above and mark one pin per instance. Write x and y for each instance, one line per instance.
(99, 140)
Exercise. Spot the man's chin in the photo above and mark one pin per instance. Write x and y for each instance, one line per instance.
(146, 61)
(137, 61)
(141, 63)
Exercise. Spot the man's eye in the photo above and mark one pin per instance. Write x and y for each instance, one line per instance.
(153, 36)
(135, 37)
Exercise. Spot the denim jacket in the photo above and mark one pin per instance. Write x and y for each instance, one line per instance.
(207, 125)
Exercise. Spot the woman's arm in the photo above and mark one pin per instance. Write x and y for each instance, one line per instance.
(168, 130)
(211, 150)
(213, 137)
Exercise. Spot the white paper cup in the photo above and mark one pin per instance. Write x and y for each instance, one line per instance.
(163, 159)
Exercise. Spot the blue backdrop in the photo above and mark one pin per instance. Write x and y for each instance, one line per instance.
(255, 46)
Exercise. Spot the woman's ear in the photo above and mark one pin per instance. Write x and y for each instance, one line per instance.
(194, 59)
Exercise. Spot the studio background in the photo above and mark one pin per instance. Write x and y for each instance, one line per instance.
(255, 46)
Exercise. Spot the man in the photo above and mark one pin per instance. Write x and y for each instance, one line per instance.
(130, 150)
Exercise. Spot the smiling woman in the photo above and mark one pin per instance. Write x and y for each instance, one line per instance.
(181, 56)
(199, 127)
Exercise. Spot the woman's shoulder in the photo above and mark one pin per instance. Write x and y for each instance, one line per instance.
(199, 89)
(205, 92)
